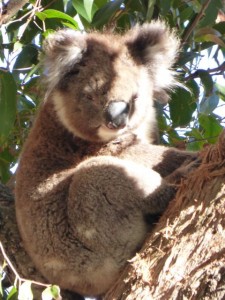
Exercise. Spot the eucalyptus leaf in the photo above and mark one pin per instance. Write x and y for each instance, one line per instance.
(51, 292)
(182, 106)
(26, 59)
(208, 104)
(206, 80)
(13, 294)
(210, 38)
(105, 13)
(25, 292)
(221, 91)
(150, 10)
(81, 10)
(211, 127)
(90, 8)
(8, 99)
(196, 140)
(211, 13)
(55, 14)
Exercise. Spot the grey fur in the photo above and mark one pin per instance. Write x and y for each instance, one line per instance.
(85, 181)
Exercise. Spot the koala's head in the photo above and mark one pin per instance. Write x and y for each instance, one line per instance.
(105, 84)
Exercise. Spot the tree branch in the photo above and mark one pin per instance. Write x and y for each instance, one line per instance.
(215, 71)
(195, 21)
(9, 9)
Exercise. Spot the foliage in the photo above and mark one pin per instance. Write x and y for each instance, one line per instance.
(22, 288)
(194, 116)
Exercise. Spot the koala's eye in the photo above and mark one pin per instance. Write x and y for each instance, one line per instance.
(70, 74)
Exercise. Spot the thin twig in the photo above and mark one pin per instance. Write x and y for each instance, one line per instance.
(215, 71)
(195, 22)
(10, 9)
(15, 272)
(37, 7)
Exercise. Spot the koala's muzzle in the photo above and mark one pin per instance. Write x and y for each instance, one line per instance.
(116, 114)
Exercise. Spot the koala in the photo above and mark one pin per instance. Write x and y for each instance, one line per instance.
(90, 171)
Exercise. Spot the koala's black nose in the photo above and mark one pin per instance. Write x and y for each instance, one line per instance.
(116, 114)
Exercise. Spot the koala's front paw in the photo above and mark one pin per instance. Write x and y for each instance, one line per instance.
(183, 171)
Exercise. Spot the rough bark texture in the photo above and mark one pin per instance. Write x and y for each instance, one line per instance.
(184, 257)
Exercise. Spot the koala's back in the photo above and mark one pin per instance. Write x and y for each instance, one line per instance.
(86, 176)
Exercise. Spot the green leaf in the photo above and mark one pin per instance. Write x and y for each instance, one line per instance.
(220, 27)
(210, 38)
(85, 8)
(208, 104)
(51, 292)
(13, 295)
(195, 5)
(57, 5)
(221, 91)
(174, 138)
(206, 80)
(104, 14)
(100, 3)
(6, 158)
(27, 57)
(182, 105)
(55, 14)
(211, 13)
(185, 57)
(186, 14)
(195, 142)
(164, 6)
(150, 10)
(8, 98)
(25, 292)
(211, 127)
(90, 8)
(207, 30)
(80, 8)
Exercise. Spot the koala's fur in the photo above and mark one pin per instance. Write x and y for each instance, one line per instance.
(89, 173)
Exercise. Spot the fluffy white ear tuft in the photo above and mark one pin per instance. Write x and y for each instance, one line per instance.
(156, 47)
(62, 50)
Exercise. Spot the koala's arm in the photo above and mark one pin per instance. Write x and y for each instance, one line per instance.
(164, 160)
(158, 201)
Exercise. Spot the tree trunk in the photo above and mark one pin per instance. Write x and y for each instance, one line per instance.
(184, 257)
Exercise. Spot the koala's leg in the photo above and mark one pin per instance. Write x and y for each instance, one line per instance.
(108, 193)
(107, 204)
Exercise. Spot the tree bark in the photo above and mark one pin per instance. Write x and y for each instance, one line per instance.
(184, 257)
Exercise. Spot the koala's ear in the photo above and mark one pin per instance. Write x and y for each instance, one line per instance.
(62, 50)
(156, 47)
